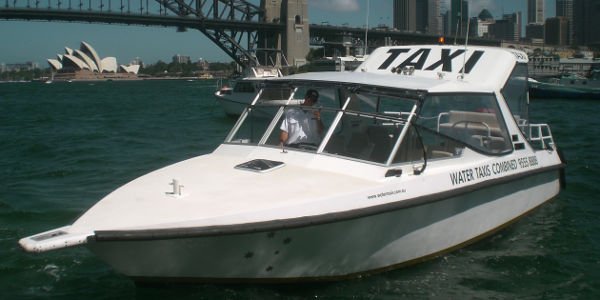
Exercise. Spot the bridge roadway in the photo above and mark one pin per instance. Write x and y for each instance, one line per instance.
(226, 22)
(134, 19)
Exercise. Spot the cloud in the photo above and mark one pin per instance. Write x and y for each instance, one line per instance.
(336, 5)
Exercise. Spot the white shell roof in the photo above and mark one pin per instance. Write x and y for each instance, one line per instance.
(87, 48)
(55, 64)
(109, 64)
(75, 61)
(133, 69)
(88, 61)
(84, 58)
(437, 68)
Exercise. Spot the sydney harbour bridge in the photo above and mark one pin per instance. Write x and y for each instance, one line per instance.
(250, 32)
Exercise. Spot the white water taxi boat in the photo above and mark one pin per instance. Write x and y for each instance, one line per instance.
(234, 99)
(424, 149)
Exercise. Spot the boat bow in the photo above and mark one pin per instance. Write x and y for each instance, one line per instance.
(54, 239)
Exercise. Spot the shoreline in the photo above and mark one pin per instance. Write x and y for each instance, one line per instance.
(41, 80)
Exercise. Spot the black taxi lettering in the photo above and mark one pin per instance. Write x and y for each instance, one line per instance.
(418, 59)
(394, 53)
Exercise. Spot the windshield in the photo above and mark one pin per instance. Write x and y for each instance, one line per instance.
(372, 125)
(361, 124)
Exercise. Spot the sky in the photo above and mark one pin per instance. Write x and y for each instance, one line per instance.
(22, 41)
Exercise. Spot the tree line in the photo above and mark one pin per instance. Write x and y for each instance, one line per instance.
(159, 69)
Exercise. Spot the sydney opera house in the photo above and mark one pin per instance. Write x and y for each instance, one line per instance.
(85, 64)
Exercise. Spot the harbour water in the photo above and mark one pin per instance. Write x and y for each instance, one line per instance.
(66, 145)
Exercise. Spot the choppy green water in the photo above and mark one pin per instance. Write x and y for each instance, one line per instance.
(66, 145)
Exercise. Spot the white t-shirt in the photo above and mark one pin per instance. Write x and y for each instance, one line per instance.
(301, 126)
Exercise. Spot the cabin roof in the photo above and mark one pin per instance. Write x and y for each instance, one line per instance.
(435, 69)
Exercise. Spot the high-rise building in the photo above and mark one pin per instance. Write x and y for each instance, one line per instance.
(434, 17)
(418, 15)
(535, 11)
(586, 22)
(484, 20)
(556, 31)
(534, 31)
(421, 20)
(459, 17)
(405, 12)
(517, 21)
(446, 23)
(508, 28)
(181, 59)
(564, 8)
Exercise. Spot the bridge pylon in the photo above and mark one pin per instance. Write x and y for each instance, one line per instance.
(292, 45)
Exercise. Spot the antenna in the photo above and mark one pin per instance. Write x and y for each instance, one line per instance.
(456, 33)
(367, 29)
(462, 76)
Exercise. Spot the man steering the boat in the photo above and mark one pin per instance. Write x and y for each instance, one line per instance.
(302, 127)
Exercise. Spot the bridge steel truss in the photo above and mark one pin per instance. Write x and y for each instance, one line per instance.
(233, 25)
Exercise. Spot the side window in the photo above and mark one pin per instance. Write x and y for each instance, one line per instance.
(515, 94)
(472, 119)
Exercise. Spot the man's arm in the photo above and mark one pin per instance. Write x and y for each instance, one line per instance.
(319, 122)
(283, 137)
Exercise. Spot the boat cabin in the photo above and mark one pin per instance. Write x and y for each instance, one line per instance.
(407, 105)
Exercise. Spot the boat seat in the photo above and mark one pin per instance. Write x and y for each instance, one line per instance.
(481, 123)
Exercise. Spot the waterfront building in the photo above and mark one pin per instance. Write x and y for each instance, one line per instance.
(580, 66)
(543, 65)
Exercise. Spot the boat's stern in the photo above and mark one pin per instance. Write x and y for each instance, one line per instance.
(54, 239)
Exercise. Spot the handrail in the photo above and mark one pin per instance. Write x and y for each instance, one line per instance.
(543, 135)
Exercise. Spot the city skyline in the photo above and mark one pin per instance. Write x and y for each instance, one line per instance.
(38, 40)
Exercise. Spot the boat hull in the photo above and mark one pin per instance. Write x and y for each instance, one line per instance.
(542, 90)
(233, 105)
(337, 248)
